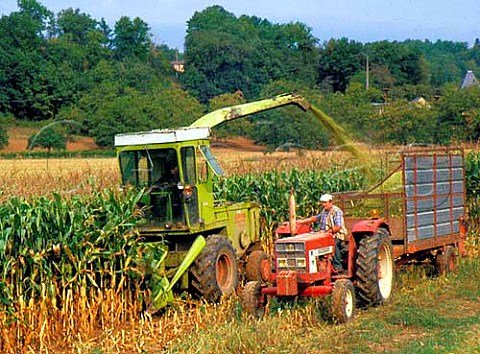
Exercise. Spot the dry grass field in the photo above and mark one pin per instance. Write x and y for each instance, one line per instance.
(33, 177)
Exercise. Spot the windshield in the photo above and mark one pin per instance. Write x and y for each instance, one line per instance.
(212, 161)
(148, 167)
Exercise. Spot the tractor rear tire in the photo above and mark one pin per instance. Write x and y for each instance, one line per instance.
(258, 266)
(215, 272)
(343, 301)
(446, 261)
(375, 268)
(253, 302)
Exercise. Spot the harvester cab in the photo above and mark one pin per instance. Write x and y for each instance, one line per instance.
(176, 169)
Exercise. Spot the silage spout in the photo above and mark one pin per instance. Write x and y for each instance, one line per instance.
(345, 141)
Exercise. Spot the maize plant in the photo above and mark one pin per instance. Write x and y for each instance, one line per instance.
(271, 191)
(472, 174)
(77, 261)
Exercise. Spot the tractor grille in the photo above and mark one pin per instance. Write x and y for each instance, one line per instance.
(291, 256)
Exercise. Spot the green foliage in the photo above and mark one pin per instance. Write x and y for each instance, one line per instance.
(339, 61)
(63, 154)
(105, 112)
(3, 137)
(48, 138)
(289, 125)
(403, 122)
(472, 176)
(458, 114)
(71, 66)
(271, 190)
(225, 53)
(131, 38)
(241, 127)
(63, 244)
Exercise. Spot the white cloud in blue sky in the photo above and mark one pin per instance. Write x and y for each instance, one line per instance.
(366, 20)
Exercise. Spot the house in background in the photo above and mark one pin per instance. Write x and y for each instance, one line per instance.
(469, 80)
(421, 102)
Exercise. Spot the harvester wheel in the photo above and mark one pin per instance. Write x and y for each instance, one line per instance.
(375, 268)
(215, 271)
(343, 301)
(253, 302)
(258, 266)
(446, 261)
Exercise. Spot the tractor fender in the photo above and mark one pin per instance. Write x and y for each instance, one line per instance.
(369, 226)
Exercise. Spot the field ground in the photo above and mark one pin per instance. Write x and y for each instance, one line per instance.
(426, 315)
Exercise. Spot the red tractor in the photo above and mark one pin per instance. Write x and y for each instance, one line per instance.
(303, 267)
(423, 221)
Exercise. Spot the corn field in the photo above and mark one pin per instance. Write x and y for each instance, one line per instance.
(271, 191)
(68, 267)
(72, 265)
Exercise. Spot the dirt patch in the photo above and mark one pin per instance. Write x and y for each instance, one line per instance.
(237, 143)
(18, 141)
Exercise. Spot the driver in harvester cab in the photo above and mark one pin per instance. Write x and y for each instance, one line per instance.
(331, 219)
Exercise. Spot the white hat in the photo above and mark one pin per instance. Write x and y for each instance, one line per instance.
(326, 198)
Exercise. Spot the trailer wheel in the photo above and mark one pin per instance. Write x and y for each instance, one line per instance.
(343, 301)
(258, 266)
(446, 261)
(215, 271)
(375, 268)
(252, 300)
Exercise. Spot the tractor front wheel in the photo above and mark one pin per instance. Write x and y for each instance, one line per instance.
(253, 302)
(215, 271)
(375, 268)
(258, 266)
(343, 301)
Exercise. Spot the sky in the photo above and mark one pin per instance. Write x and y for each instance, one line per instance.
(360, 20)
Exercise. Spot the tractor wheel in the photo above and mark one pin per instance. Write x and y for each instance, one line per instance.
(258, 266)
(446, 261)
(375, 268)
(253, 302)
(215, 271)
(343, 301)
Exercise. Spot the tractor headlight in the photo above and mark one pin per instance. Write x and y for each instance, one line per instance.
(301, 263)
(282, 263)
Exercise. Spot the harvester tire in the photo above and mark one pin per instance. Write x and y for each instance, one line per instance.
(258, 266)
(215, 272)
(375, 268)
(252, 300)
(343, 301)
(446, 261)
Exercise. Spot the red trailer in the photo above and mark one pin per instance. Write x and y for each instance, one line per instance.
(426, 217)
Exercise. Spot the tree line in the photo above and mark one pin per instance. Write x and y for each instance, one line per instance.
(71, 67)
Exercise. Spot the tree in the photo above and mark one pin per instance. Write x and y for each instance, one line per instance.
(131, 38)
(48, 138)
(339, 61)
(224, 54)
(75, 26)
(289, 125)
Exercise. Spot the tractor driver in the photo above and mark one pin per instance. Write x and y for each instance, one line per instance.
(331, 219)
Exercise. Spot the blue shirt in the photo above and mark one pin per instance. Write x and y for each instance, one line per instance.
(337, 217)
